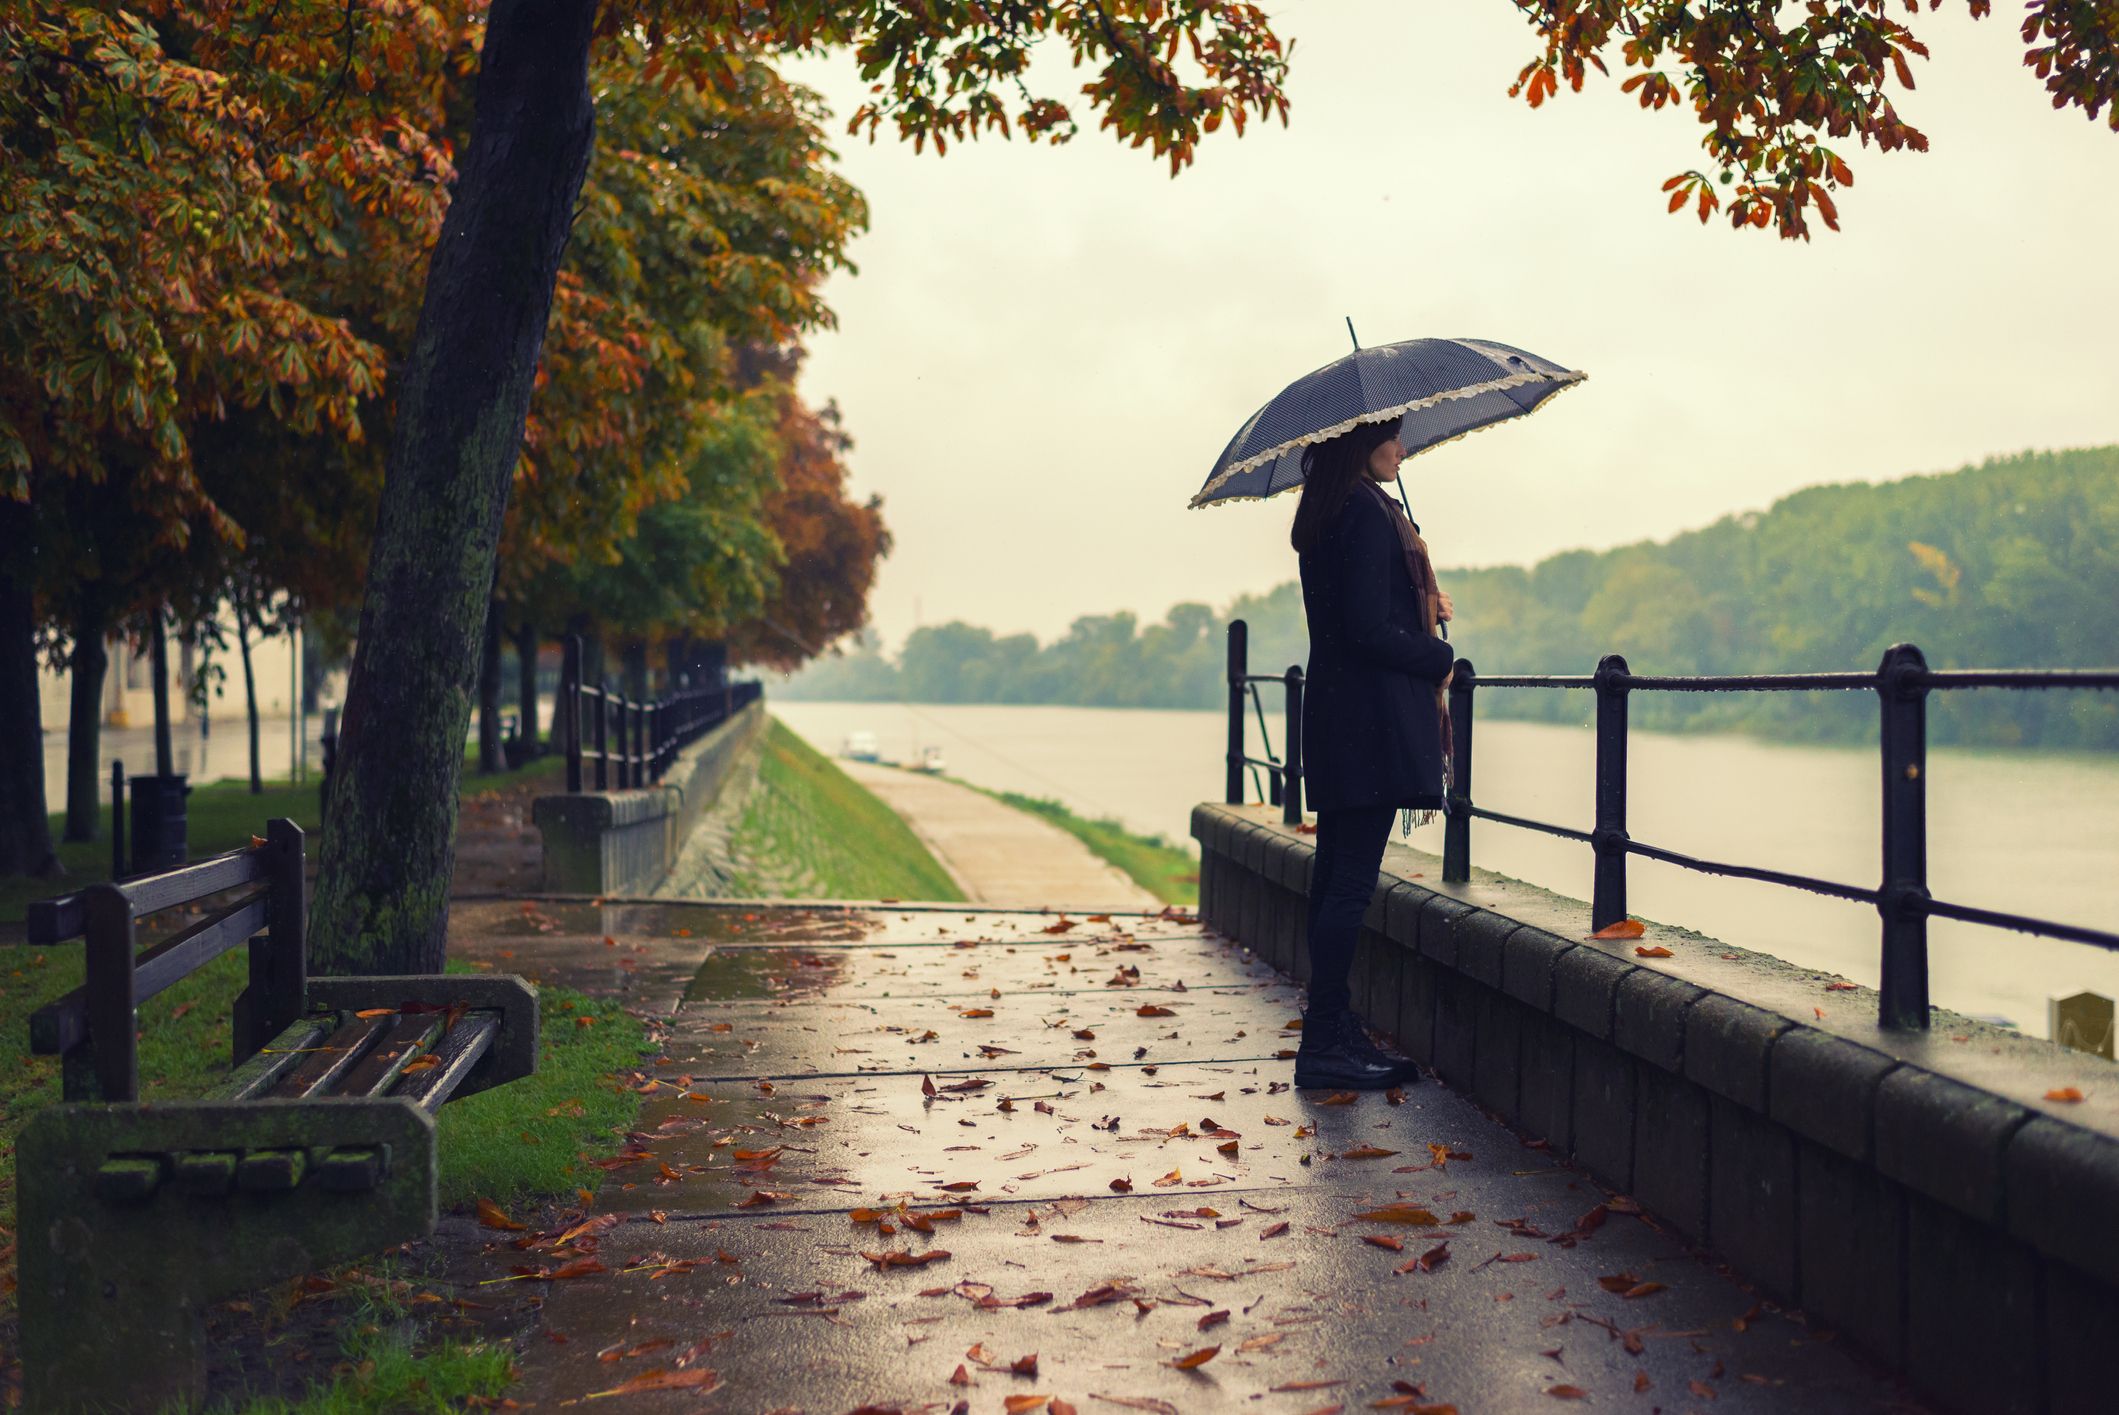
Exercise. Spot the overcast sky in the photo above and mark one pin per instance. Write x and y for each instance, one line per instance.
(1045, 348)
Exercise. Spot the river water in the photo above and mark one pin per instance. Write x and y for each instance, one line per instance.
(2034, 833)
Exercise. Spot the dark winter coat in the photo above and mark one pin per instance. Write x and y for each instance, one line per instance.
(1370, 735)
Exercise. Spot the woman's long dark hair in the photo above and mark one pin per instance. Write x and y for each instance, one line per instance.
(1330, 471)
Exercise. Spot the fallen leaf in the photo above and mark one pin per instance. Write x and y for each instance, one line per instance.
(1196, 1359)
(976, 1012)
(962, 1376)
(1340, 1098)
(1365, 1152)
(2063, 1093)
(1021, 1404)
(1624, 928)
(1651, 951)
(1138, 1402)
(1400, 1213)
(1213, 1319)
(1122, 1186)
(898, 1259)
(1567, 1392)
(697, 1378)
(491, 1215)
(1384, 1240)
(1151, 1010)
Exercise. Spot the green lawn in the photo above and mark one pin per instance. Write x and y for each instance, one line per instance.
(1167, 871)
(808, 820)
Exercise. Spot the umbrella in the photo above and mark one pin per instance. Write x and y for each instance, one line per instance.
(1439, 389)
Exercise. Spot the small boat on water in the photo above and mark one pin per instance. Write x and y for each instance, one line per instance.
(931, 761)
(860, 747)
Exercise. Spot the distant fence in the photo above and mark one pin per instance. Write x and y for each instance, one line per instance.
(613, 742)
(1901, 683)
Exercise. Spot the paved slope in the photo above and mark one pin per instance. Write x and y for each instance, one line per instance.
(1103, 1108)
(996, 853)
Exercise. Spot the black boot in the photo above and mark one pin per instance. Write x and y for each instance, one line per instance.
(1328, 1060)
(1357, 1037)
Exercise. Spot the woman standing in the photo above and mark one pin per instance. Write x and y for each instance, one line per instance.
(1374, 726)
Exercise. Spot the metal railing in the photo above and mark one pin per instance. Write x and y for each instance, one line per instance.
(613, 742)
(1901, 682)
(1282, 784)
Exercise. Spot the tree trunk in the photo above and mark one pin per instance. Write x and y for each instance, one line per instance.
(25, 829)
(165, 753)
(84, 727)
(489, 763)
(526, 686)
(382, 896)
(250, 696)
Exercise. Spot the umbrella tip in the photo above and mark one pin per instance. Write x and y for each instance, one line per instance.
(1351, 335)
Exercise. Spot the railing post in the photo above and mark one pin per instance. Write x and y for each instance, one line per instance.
(1608, 893)
(603, 738)
(1239, 665)
(569, 706)
(1457, 824)
(1291, 792)
(1902, 687)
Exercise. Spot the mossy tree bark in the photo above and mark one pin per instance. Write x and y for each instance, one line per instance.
(25, 830)
(390, 821)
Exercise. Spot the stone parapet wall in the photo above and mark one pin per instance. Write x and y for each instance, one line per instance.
(1916, 1192)
(624, 842)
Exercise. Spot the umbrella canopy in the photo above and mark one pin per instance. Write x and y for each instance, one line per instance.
(1438, 389)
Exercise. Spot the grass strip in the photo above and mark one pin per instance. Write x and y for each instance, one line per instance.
(391, 1373)
(1167, 871)
(808, 821)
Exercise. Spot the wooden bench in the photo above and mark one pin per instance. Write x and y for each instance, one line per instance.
(318, 1147)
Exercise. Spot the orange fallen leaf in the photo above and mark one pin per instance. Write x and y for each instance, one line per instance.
(1023, 1404)
(376, 1012)
(1197, 1358)
(1229, 1147)
(2063, 1093)
(962, 1376)
(1213, 1319)
(976, 1012)
(1384, 1240)
(1624, 928)
(1167, 1180)
(895, 1258)
(1149, 1009)
(1400, 1213)
(1122, 1186)
(1567, 1392)
(697, 1378)
(491, 1215)
(1340, 1098)
(1365, 1152)
(1651, 951)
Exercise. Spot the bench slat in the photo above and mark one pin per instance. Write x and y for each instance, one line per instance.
(458, 1051)
(280, 1055)
(62, 1024)
(336, 1055)
(386, 1060)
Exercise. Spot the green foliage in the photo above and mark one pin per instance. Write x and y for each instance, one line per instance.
(808, 820)
(2013, 562)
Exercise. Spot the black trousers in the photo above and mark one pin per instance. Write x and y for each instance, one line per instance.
(1342, 881)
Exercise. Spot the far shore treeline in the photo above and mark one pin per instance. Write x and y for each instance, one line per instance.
(2011, 563)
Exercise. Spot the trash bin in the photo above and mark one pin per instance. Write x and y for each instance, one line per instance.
(159, 824)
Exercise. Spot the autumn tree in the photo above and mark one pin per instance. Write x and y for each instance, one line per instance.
(160, 177)
(465, 390)
(1782, 89)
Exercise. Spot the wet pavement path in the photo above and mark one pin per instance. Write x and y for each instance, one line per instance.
(911, 1158)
